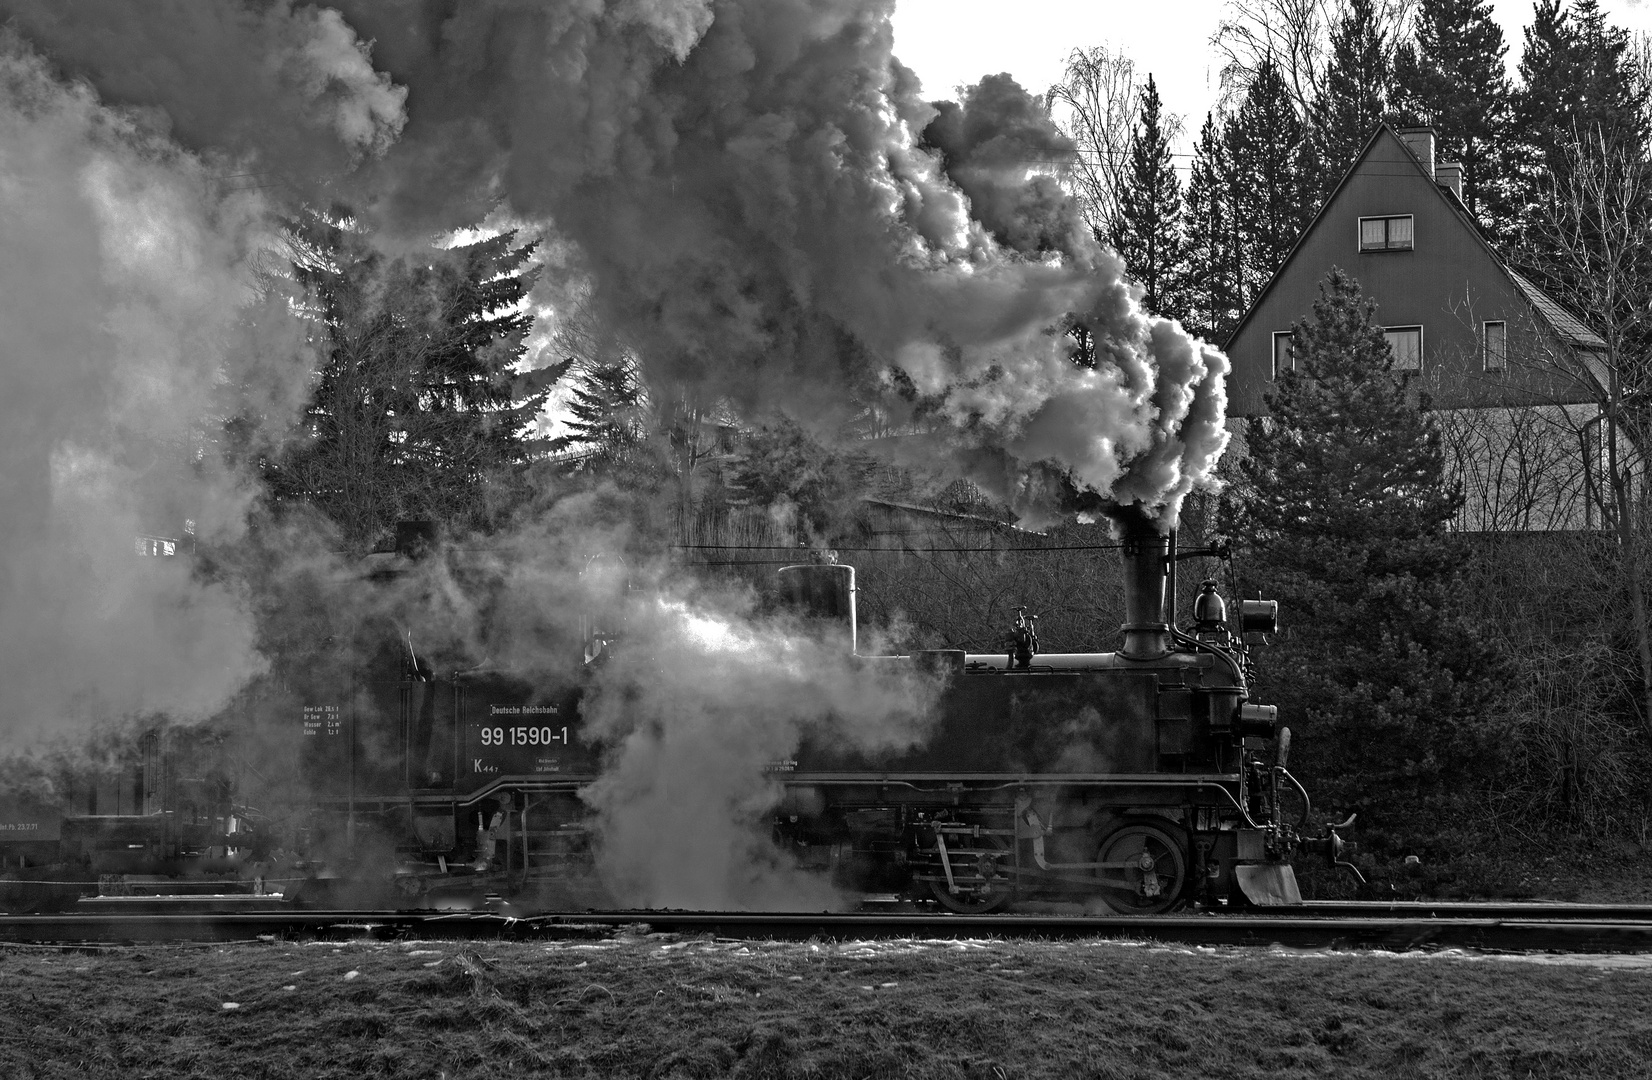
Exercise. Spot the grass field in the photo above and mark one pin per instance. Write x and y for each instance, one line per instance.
(656, 1006)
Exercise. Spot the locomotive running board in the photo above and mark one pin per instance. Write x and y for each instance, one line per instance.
(1268, 884)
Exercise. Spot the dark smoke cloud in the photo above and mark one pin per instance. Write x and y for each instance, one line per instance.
(746, 183)
(286, 90)
(987, 142)
(747, 186)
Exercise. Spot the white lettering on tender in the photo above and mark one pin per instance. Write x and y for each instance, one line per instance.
(319, 718)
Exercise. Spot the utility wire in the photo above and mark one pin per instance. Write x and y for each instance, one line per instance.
(895, 550)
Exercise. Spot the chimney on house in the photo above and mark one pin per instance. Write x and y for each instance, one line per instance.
(1449, 175)
(1420, 141)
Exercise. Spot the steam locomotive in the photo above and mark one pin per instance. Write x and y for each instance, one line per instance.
(1132, 781)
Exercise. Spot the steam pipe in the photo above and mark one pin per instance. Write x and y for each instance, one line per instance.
(1169, 592)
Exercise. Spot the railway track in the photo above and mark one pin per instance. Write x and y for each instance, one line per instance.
(1397, 926)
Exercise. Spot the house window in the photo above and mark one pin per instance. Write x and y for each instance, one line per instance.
(1406, 343)
(1494, 340)
(1282, 360)
(156, 547)
(1386, 233)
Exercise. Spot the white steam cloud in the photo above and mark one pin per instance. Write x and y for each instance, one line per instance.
(701, 710)
(123, 283)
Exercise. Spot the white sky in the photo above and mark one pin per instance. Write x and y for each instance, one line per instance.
(954, 42)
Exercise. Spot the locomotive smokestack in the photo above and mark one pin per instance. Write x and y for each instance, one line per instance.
(1146, 557)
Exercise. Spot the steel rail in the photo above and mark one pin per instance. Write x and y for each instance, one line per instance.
(1545, 910)
(1531, 932)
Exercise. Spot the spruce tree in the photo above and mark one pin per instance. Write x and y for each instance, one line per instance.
(1215, 290)
(607, 418)
(1577, 84)
(1277, 182)
(1343, 512)
(1452, 78)
(417, 410)
(1353, 98)
(1146, 230)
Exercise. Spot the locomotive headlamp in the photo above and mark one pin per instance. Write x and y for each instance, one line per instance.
(1258, 719)
(1259, 616)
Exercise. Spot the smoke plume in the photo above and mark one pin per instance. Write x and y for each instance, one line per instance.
(287, 92)
(759, 203)
(765, 207)
(986, 142)
(772, 217)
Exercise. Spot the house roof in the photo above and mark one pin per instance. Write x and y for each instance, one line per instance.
(1569, 327)
(1566, 326)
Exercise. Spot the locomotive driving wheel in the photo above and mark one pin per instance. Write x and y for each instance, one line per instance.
(978, 899)
(1143, 869)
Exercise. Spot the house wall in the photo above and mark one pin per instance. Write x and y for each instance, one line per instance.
(1449, 283)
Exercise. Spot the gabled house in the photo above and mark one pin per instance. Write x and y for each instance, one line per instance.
(1513, 375)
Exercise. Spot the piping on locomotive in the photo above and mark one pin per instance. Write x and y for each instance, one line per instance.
(1132, 781)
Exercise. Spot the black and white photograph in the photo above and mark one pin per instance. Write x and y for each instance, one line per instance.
(825, 539)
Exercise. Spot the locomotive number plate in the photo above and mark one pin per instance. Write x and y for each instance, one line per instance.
(516, 739)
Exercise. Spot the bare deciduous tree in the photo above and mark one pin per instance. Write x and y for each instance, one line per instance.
(1295, 35)
(1548, 582)
(1575, 757)
(1095, 105)
(1291, 33)
(1519, 467)
(1592, 244)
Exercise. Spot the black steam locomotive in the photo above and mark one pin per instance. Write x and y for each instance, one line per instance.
(1132, 781)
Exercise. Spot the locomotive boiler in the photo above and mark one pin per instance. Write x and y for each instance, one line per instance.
(1131, 781)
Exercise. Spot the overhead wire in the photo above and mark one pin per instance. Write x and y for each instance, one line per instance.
(897, 550)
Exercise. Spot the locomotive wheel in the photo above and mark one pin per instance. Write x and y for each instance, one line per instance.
(1155, 866)
(986, 902)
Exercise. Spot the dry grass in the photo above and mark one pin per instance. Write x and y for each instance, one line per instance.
(664, 1007)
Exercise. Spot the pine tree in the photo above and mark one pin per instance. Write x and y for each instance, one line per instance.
(1146, 228)
(1215, 290)
(1452, 79)
(1267, 144)
(1343, 509)
(1353, 98)
(607, 417)
(417, 410)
